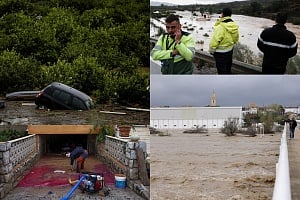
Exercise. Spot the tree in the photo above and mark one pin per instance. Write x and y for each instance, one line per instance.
(230, 126)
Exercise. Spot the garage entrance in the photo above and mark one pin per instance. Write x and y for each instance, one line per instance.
(59, 139)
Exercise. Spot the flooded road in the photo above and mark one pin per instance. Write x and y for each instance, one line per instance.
(212, 166)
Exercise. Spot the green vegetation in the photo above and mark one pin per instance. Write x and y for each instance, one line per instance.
(230, 127)
(269, 115)
(10, 134)
(98, 47)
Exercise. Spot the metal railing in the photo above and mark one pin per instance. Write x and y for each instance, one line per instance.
(238, 67)
(282, 187)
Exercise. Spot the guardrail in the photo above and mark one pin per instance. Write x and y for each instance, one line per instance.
(238, 67)
(282, 187)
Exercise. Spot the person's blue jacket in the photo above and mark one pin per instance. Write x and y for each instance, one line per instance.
(76, 153)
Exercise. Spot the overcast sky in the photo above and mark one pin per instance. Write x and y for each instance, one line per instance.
(188, 2)
(235, 90)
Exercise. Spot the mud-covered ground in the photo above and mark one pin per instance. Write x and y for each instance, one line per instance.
(25, 112)
(49, 180)
(211, 166)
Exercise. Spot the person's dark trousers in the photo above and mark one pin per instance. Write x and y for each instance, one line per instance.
(292, 131)
(223, 62)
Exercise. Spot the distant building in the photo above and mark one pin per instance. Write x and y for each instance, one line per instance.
(191, 117)
(213, 100)
(250, 111)
(211, 116)
(295, 110)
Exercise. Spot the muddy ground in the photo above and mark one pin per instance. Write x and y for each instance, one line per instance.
(211, 166)
(25, 112)
(49, 180)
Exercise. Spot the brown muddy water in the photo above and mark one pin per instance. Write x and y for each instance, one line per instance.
(211, 166)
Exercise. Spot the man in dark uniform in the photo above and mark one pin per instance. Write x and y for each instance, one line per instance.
(278, 45)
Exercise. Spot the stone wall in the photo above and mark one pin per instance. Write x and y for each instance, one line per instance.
(120, 155)
(16, 157)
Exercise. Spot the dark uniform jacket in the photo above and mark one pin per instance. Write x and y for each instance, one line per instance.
(278, 45)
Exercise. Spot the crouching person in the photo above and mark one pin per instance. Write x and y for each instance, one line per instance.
(77, 157)
(80, 160)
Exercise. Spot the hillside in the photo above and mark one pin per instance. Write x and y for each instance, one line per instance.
(262, 8)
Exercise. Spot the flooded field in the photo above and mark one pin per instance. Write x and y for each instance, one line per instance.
(211, 166)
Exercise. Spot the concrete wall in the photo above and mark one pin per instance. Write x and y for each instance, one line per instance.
(16, 156)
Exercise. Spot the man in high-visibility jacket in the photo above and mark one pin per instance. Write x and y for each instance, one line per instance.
(225, 35)
(175, 49)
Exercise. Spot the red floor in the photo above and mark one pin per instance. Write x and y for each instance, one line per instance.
(56, 171)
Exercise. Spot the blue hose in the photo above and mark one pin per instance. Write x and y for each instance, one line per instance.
(73, 188)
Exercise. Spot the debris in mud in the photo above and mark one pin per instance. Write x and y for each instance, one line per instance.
(164, 134)
(258, 179)
(160, 133)
(254, 182)
(14, 110)
(197, 130)
(2, 104)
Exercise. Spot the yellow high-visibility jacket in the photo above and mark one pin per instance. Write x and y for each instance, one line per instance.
(165, 45)
(225, 35)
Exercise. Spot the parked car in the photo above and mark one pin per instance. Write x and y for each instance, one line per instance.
(22, 95)
(60, 96)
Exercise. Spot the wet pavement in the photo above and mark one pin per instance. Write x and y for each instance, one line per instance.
(49, 180)
(294, 163)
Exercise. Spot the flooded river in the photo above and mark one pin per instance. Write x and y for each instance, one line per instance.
(211, 166)
(249, 28)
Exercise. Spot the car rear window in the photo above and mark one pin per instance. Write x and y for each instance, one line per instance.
(78, 104)
(62, 97)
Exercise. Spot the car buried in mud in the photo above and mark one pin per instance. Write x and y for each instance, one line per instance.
(21, 95)
(60, 96)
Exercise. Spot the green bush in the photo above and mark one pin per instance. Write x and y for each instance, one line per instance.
(95, 46)
(230, 127)
(10, 134)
